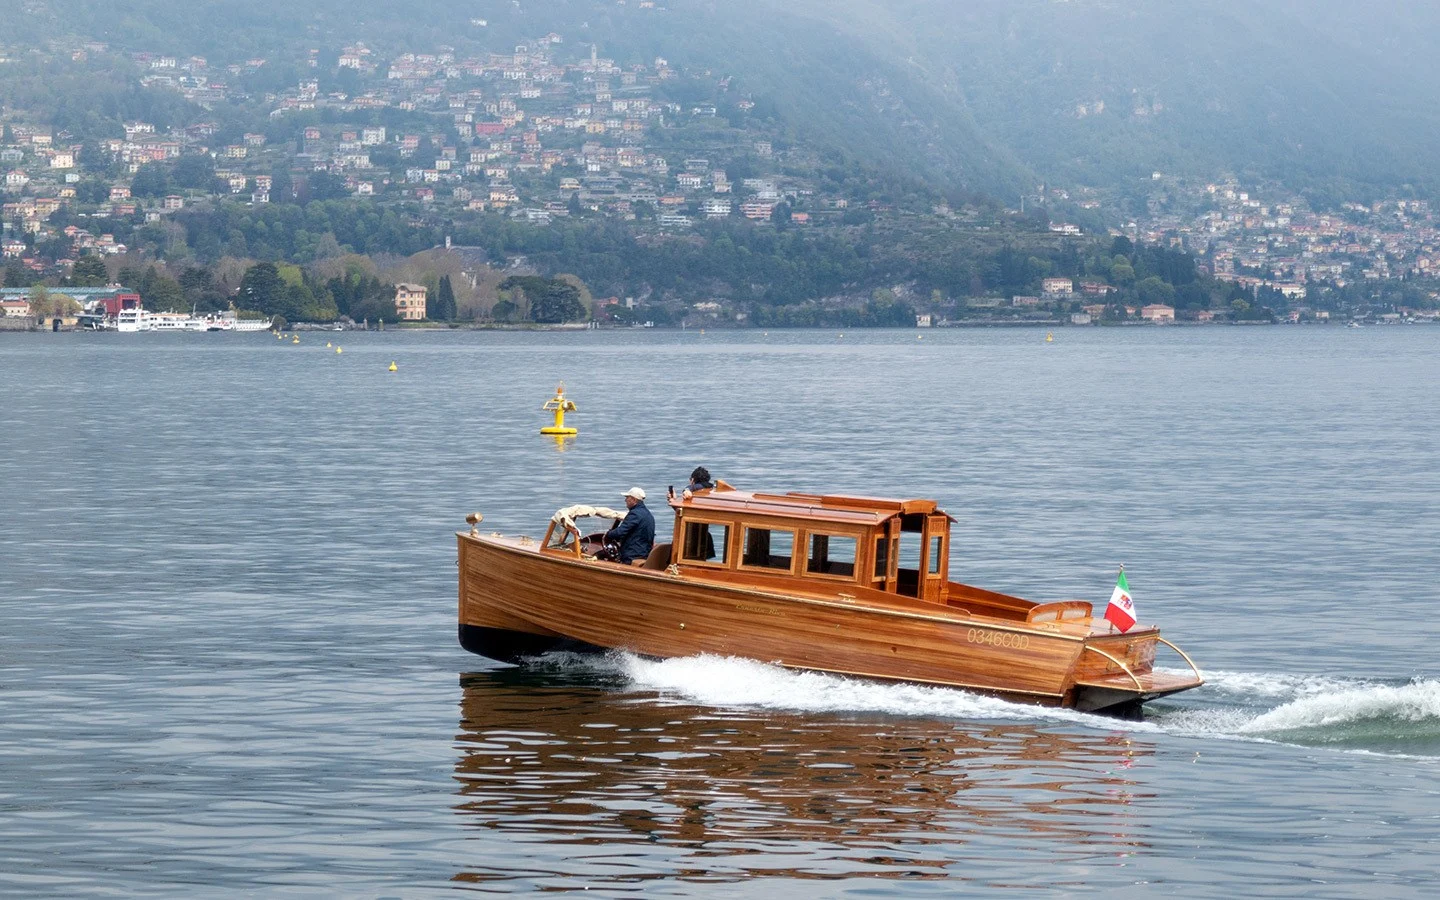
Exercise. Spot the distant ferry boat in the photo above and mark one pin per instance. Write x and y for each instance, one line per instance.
(130, 320)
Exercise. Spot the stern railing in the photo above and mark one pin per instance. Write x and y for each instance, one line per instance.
(1124, 668)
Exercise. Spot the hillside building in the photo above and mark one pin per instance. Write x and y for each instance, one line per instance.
(410, 301)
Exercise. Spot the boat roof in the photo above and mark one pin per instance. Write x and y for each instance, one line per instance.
(853, 509)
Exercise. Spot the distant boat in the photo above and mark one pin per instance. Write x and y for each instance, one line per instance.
(128, 320)
(228, 321)
(139, 319)
(1356, 325)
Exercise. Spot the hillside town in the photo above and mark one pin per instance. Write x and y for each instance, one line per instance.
(548, 131)
(521, 133)
(1271, 239)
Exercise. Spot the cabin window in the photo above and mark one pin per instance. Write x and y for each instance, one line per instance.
(935, 541)
(882, 556)
(769, 548)
(706, 542)
(832, 554)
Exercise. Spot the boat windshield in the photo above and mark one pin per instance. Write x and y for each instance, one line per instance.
(581, 520)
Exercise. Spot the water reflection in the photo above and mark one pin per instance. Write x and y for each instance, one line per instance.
(601, 783)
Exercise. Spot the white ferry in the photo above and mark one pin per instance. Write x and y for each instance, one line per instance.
(132, 320)
(168, 322)
(138, 319)
(227, 321)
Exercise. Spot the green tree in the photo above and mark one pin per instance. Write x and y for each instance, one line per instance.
(1155, 290)
(282, 189)
(201, 291)
(1192, 296)
(262, 289)
(443, 309)
(16, 275)
(558, 302)
(89, 271)
(39, 301)
(150, 181)
(325, 186)
(63, 305)
(92, 190)
(504, 310)
(161, 292)
(193, 170)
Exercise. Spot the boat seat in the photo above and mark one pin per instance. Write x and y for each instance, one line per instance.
(1060, 611)
(659, 557)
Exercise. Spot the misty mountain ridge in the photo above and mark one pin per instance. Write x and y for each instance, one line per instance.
(1328, 97)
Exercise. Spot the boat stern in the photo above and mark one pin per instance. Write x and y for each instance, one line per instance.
(1115, 673)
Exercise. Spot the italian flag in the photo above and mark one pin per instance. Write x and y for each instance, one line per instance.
(1121, 611)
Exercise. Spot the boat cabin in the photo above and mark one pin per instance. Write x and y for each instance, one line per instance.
(897, 546)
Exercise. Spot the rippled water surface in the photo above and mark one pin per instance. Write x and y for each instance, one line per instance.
(228, 660)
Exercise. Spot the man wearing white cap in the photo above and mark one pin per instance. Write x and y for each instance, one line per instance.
(636, 533)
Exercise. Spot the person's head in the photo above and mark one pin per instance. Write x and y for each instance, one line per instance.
(633, 497)
(700, 475)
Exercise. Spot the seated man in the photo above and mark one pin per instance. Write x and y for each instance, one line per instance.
(636, 533)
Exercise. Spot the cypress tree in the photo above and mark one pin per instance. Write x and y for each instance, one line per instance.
(443, 310)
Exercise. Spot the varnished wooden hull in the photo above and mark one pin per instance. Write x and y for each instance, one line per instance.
(516, 601)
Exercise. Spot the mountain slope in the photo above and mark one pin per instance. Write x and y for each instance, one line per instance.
(982, 95)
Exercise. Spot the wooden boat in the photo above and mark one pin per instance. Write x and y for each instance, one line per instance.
(841, 584)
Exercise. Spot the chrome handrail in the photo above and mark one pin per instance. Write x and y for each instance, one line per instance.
(1183, 655)
(1124, 668)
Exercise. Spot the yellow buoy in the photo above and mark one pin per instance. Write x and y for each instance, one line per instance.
(338, 350)
(297, 339)
(327, 345)
(1049, 337)
(393, 367)
(559, 406)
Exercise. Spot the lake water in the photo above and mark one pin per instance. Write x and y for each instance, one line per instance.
(227, 616)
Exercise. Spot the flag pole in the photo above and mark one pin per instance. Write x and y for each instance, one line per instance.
(1113, 627)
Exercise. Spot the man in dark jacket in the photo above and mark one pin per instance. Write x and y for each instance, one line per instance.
(636, 533)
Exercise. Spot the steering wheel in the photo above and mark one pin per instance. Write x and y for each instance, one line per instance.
(597, 546)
